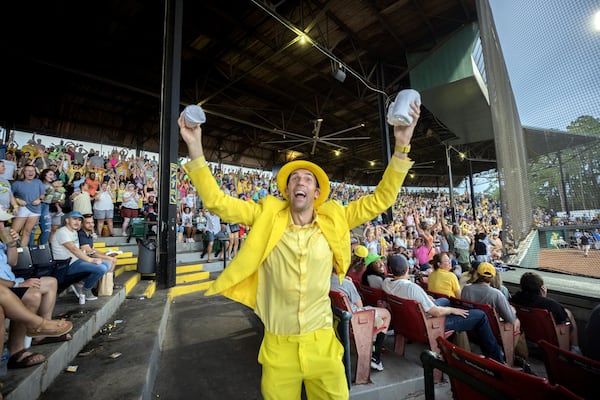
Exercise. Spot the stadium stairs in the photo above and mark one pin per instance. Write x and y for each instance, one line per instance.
(132, 319)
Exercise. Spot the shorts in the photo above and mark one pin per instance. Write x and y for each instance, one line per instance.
(19, 291)
(24, 212)
(129, 212)
(104, 214)
(57, 219)
(209, 236)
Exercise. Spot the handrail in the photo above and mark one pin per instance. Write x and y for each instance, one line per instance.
(432, 361)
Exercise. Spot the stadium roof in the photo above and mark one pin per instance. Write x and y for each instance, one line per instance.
(92, 71)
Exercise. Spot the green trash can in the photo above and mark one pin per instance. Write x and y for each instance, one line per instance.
(146, 256)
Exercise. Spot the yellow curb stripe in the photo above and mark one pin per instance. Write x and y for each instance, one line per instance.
(131, 282)
(187, 289)
(188, 278)
(189, 268)
(149, 292)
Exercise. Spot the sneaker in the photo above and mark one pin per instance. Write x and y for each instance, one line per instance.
(575, 349)
(88, 294)
(376, 365)
(75, 291)
(521, 363)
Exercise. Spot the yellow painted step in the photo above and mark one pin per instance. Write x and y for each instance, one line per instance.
(194, 277)
(149, 292)
(120, 269)
(187, 289)
(127, 261)
(131, 282)
(189, 268)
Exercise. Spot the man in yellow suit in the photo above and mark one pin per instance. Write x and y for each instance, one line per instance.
(283, 269)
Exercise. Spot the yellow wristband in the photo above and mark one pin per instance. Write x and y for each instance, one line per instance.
(402, 149)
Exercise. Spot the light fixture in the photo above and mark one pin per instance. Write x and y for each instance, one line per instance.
(597, 21)
(337, 153)
(337, 71)
(372, 163)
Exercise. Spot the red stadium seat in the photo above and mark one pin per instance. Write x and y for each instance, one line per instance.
(510, 383)
(538, 324)
(577, 373)
(504, 331)
(372, 296)
(363, 329)
(410, 322)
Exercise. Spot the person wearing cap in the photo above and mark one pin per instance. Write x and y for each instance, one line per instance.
(375, 272)
(283, 270)
(65, 244)
(457, 319)
(481, 291)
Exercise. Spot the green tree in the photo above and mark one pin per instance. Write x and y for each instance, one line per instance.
(585, 124)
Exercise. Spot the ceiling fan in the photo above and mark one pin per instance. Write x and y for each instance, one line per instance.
(317, 139)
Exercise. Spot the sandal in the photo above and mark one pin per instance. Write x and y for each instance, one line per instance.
(49, 339)
(51, 328)
(24, 359)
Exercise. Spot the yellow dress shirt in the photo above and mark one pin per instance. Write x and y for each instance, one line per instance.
(293, 287)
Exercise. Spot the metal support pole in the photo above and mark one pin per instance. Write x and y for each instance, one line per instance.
(169, 143)
(450, 184)
(472, 191)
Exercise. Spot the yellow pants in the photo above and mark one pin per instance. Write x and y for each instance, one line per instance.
(313, 358)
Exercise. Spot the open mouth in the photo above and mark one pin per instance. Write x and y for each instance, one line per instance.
(300, 194)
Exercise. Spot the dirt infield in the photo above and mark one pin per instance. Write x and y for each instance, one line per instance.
(570, 261)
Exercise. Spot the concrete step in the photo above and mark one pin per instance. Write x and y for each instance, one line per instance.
(121, 361)
(88, 319)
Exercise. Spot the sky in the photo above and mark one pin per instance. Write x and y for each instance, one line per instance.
(552, 53)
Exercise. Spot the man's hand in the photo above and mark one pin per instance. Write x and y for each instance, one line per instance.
(32, 283)
(403, 134)
(192, 137)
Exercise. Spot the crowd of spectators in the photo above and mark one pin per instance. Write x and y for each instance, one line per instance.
(122, 184)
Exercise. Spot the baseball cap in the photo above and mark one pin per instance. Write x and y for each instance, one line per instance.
(75, 214)
(361, 251)
(372, 257)
(486, 269)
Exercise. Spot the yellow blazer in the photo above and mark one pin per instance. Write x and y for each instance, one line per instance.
(269, 217)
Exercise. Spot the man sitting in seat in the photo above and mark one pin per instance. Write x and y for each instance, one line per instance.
(456, 319)
(86, 243)
(533, 294)
(382, 315)
(37, 294)
(65, 244)
(482, 292)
